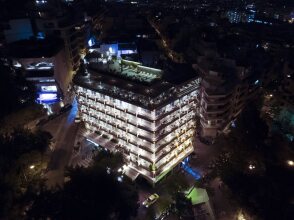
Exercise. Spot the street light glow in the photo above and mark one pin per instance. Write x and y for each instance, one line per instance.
(241, 216)
(290, 163)
(251, 167)
(32, 167)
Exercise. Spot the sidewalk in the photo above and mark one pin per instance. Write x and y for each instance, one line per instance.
(224, 208)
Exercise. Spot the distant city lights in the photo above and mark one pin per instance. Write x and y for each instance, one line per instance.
(41, 1)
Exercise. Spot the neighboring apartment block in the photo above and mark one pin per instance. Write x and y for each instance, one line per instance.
(225, 89)
(67, 20)
(43, 63)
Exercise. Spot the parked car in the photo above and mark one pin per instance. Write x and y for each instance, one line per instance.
(150, 200)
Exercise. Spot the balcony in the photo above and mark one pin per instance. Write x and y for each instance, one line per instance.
(216, 109)
(175, 160)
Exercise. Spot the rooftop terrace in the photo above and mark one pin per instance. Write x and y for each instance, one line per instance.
(133, 82)
(127, 69)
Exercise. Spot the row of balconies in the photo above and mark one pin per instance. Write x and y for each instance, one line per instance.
(134, 130)
(186, 129)
(216, 109)
(172, 146)
(146, 115)
(119, 132)
(146, 127)
(175, 159)
(132, 96)
(172, 161)
(160, 160)
(124, 139)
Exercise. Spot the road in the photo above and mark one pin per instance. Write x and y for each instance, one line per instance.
(84, 155)
(224, 207)
(64, 130)
(170, 53)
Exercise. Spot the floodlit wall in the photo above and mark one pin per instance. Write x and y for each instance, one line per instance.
(61, 74)
(152, 141)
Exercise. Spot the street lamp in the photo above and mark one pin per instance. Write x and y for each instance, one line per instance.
(290, 163)
(32, 167)
(241, 216)
(251, 167)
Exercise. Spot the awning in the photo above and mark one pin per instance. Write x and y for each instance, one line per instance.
(131, 173)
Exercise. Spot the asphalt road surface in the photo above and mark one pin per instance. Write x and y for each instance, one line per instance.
(64, 130)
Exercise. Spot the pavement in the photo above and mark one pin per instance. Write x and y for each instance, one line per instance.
(142, 210)
(204, 154)
(223, 206)
(64, 130)
(83, 155)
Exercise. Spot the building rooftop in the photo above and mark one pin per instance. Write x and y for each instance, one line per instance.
(35, 48)
(134, 82)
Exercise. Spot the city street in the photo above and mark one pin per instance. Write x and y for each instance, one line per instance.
(63, 130)
(223, 206)
(203, 155)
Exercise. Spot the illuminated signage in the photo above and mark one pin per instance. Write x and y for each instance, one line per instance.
(40, 66)
(49, 88)
(47, 96)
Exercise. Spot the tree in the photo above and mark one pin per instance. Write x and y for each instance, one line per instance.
(174, 183)
(106, 159)
(22, 162)
(183, 206)
(90, 194)
(251, 167)
(251, 129)
(15, 91)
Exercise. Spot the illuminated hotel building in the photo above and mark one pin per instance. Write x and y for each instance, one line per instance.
(148, 113)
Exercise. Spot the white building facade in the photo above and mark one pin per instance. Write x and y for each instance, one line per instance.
(154, 134)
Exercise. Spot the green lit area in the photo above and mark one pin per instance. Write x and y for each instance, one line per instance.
(163, 174)
(197, 195)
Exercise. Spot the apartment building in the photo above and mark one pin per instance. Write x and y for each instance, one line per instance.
(225, 89)
(148, 114)
(67, 20)
(42, 62)
(62, 23)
